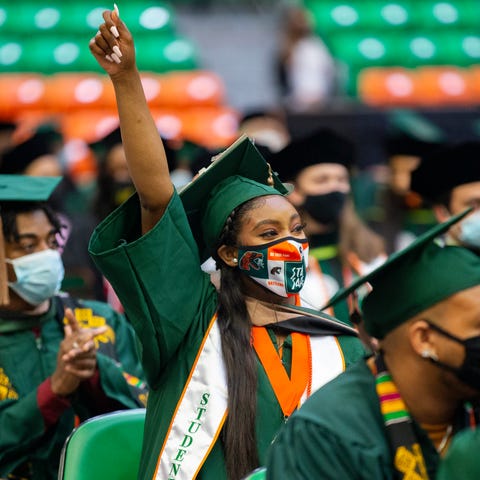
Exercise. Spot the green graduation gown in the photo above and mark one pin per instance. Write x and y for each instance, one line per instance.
(170, 302)
(28, 353)
(339, 433)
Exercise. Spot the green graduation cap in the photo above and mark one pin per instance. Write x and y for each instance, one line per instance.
(20, 188)
(237, 175)
(414, 279)
(23, 188)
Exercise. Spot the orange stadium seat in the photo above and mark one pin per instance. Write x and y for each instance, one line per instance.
(88, 125)
(446, 86)
(212, 127)
(72, 91)
(20, 92)
(387, 86)
(186, 89)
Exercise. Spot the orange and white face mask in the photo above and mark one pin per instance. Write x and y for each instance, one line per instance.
(279, 266)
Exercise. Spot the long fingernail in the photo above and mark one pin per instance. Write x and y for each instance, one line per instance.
(115, 58)
(116, 9)
(114, 31)
(117, 50)
(109, 58)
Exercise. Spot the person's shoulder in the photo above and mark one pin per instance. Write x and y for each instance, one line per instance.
(350, 391)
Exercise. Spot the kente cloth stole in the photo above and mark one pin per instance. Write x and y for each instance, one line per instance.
(408, 458)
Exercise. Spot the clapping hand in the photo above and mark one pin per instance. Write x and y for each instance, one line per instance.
(76, 358)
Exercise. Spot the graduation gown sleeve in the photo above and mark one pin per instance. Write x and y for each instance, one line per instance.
(157, 277)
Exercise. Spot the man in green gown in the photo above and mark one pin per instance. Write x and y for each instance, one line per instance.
(394, 415)
(62, 360)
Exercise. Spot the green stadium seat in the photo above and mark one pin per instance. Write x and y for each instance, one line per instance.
(106, 447)
(330, 16)
(139, 16)
(470, 47)
(12, 53)
(80, 17)
(160, 54)
(58, 53)
(148, 17)
(443, 48)
(46, 54)
(394, 13)
(359, 50)
(470, 13)
(334, 16)
(434, 14)
(384, 14)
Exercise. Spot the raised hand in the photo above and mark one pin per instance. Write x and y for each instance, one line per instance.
(76, 358)
(113, 46)
(114, 50)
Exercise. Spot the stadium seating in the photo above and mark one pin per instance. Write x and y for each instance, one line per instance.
(47, 73)
(372, 34)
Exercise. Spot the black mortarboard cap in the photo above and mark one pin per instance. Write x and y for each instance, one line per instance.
(18, 158)
(446, 169)
(322, 146)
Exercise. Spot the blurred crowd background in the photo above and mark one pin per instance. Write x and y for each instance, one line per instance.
(395, 77)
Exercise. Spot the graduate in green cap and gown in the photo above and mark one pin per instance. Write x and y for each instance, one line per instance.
(226, 368)
(62, 360)
(394, 415)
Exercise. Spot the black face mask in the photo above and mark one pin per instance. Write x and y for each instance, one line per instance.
(469, 371)
(325, 208)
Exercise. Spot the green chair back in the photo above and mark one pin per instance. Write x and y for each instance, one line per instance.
(258, 474)
(106, 447)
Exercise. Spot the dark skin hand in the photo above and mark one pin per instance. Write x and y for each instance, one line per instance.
(76, 358)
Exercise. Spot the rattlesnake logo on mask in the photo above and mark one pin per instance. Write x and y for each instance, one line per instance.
(251, 260)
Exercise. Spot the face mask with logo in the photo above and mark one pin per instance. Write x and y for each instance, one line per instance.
(470, 231)
(39, 275)
(325, 208)
(279, 266)
(469, 371)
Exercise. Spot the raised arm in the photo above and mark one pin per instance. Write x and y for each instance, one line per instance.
(113, 48)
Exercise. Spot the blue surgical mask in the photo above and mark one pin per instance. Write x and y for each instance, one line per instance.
(470, 233)
(39, 275)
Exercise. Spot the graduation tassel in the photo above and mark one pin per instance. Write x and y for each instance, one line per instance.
(4, 295)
